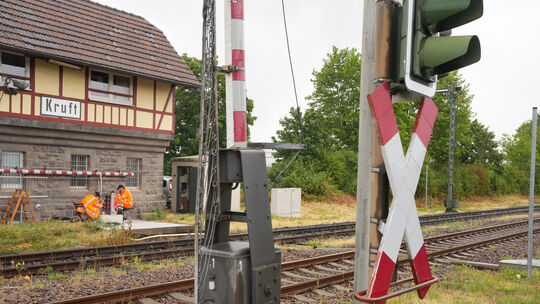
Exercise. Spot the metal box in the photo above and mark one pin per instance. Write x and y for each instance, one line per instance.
(286, 202)
(228, 275)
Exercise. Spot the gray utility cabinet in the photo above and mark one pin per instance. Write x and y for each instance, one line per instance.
(240, 272)
(184, 184)
(228, 278)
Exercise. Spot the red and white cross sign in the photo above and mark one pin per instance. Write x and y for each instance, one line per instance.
(403, 174)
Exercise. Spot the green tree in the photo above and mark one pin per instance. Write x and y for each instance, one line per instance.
(187, 105)
(478, 163)
(438, 150)
(337, 94)
(483, 149)
(438, 146)
(330, 121)
(330, 129)
(516, 150)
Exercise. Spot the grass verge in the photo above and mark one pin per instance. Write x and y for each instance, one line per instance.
(468, 285)
(342, 208)
(48, 235)
(52, 234)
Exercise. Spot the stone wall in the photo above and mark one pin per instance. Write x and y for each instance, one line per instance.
(50, 146)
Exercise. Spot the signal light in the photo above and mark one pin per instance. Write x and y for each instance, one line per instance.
(425, 47)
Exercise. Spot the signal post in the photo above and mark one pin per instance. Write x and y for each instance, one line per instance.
(406, 45)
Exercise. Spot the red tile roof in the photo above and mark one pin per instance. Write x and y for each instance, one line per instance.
(88, 33)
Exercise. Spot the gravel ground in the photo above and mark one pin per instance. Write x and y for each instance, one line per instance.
(515, 250)
(46, 288)
(54, 286)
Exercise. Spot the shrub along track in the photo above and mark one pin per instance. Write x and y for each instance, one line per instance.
(323, 275)
(70, 259)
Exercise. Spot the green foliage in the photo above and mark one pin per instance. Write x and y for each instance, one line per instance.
(438, 146)
(330, 131)
(20, 267)
(305, 174)
(57, 275)
(158, 214)
(517, 155)
(187, 105)
(46, 270)
(337, 94)
(329, 128)
(478, 164)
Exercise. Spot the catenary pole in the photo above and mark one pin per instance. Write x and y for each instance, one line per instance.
(531, 194)
(451, 146)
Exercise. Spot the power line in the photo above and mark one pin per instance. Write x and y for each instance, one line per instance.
(292, 73)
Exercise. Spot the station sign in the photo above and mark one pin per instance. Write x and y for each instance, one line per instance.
(58, 107)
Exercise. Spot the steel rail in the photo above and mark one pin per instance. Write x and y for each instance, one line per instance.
(75, 262)
(97, 261)
(107, 250)
(131, 293)
(51, 255)
(338, 278)
(475, 231)
(156, 289)
(162, 288)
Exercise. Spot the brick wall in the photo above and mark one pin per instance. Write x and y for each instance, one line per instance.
(49, 146)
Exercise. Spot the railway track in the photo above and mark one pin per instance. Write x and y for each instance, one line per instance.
(70, 259)
(331, 271)
(433, 219)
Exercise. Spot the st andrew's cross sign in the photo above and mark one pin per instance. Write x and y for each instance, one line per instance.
(403, 174)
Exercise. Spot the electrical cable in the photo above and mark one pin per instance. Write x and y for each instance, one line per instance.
(300, 127)
(299, 118)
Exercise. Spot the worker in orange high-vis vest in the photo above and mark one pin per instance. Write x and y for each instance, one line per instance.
(123, 198)
(91, 205)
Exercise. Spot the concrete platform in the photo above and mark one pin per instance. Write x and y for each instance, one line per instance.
(518, 264)
(153, 228)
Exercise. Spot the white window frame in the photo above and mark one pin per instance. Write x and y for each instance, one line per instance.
(26, 76)
(110, 98)
(78, 182)
(8, 180)
(136, 171)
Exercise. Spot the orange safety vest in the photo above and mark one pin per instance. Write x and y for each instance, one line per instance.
(123, 198)
(91, 206)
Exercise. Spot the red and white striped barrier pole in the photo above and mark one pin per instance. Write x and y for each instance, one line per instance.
(65, 172)
(235, 81)
(403, 174)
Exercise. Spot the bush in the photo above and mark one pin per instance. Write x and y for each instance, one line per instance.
(305, 174)
(472, 180)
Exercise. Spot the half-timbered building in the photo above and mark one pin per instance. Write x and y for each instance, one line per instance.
(86, 87)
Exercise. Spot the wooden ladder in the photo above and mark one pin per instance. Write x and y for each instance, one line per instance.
(20, 194)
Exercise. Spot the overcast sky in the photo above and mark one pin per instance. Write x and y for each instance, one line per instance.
(502, 82)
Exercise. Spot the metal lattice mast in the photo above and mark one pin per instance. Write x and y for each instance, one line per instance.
(208, 170)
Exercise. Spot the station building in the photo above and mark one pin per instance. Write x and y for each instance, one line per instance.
(94, 92)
